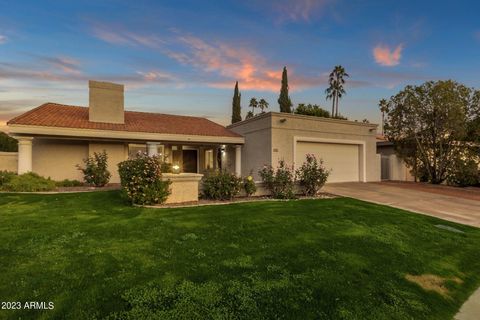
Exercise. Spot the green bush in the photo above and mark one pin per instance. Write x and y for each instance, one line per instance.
(280, 181)
(6, 176)
(221, 185)
(311, 110)
(249, 186)
(141, 180)
(95, 172)
(29, 182)
(312, 175)
(463, 173)
(69, 183)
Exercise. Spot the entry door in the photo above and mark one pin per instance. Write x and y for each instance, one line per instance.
(190, 161)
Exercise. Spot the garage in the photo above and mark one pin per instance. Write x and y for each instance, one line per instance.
(342, 159)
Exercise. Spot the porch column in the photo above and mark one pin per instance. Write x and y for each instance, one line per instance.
(24, 154)
(152, 148)
(238, 160)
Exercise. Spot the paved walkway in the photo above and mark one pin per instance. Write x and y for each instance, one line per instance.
(443, 205)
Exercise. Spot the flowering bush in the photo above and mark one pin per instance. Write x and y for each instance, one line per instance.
(221, 185)
(312, 175)
(280, 181)
(249, 185)
(141, 179)
(95, 171)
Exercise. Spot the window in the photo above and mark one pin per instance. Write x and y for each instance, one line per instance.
(209, 159)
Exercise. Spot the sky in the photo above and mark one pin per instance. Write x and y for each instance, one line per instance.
(183, 57)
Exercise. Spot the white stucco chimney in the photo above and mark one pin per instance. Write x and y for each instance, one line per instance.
(106, 102)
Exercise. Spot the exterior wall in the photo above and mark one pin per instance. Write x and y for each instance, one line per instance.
(397, 169)
(9, 161)
(57, 159)
(257, 150)
(117, 152)
(271, 137)
(184, 187)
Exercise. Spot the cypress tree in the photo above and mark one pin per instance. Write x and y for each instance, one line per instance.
(284, 100)
(236, 109)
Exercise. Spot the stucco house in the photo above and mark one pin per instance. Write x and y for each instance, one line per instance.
(54, 138)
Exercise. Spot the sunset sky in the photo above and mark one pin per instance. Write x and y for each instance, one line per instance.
(183, 57)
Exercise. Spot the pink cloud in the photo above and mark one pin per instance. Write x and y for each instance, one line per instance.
(3, 39)
(299, 10)
(476, 35)
(385, 56)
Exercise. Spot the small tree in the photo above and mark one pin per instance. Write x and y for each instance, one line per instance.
(95, 171)
(236, 109)
(284, 99)
(312, 175)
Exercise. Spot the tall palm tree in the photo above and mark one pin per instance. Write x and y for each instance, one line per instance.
(383, 104)
(253, 104)
(335, 91)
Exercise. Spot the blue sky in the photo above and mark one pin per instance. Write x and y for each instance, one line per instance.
(184, 57)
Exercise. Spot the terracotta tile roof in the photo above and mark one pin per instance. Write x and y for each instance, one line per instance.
(59, 115)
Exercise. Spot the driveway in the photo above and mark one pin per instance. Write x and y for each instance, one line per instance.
(449, 205)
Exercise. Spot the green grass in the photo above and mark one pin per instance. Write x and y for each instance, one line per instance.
(94, 257)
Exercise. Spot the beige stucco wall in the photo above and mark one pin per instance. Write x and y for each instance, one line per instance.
(57, 159)
(271, 137)
(9, 161)
(184, 187)
(257, 150)
(399, 170)
(116, 151)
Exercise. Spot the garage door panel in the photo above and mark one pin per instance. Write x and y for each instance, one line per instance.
(341, 159)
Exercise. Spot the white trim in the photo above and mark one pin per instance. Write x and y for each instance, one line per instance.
(361, 143)
(95, 133)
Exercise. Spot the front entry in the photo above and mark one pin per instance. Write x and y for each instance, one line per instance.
(190, 161)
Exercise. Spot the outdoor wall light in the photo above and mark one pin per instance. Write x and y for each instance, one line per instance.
(175, 168)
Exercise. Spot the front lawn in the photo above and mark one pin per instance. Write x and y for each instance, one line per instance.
(95, 257)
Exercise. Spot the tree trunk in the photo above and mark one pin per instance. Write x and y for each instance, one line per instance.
(333, 106)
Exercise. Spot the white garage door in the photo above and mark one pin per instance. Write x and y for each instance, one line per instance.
(341, 159)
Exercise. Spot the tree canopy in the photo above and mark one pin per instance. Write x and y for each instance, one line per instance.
(311, 110)
(429, 124)
(7, 143)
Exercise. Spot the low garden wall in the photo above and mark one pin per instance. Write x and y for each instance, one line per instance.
(184, 186)
(9, 161)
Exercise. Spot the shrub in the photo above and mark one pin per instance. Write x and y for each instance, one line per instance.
(249, 185)
(165, 167)
(6, 176)
(221, 185)
(95, 171)
(69, 183)
(29, 182)
(312, 110)
(141, 180)
(280, 181)
(463, 173)
(312, 175)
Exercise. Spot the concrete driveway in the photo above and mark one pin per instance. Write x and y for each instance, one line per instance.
(444, 206)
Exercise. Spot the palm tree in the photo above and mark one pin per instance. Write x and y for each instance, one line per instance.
(383, 104)
(263, 104)
(335, 91)
(253, 104)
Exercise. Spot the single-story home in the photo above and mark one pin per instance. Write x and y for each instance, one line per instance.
(55, 138)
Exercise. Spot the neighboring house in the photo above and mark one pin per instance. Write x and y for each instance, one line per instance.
(392, 167)
(348, 148)
(54, 139)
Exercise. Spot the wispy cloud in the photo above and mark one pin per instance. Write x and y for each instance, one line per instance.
(122, 37)
(67, 65)
(386, 56)
(298, 11)
(3, 39)
(476, 35)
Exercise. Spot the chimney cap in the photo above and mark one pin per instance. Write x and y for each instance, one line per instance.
(105, 85)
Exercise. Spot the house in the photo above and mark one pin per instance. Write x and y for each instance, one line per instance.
(392, 167)
(348, 148)
(54, 139)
